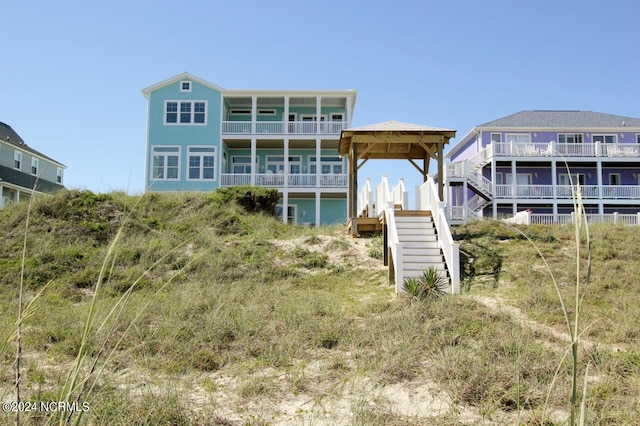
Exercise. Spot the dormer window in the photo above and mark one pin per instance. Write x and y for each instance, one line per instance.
(185, 86)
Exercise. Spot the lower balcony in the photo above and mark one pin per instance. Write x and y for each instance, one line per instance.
(286, 181)
(624, 192)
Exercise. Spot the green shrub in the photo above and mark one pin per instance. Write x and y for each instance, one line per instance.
(252, 199)
(429, 286)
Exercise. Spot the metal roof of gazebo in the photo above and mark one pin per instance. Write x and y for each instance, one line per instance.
(393, 140)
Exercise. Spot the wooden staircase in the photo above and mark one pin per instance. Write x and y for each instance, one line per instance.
(417, 233)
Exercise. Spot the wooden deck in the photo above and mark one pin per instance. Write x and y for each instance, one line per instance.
(359, 225)
(376, 224)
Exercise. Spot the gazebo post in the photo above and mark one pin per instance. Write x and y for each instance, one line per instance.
(440, 173)
(353, 189)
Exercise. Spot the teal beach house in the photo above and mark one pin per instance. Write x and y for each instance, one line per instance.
(201, 137)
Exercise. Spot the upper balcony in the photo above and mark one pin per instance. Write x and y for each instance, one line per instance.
(554, 149)
(280, 127)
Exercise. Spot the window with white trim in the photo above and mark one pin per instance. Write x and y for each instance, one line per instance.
(17, 160)
(185, 112)
(185, 86)
(165, 163)
(496, 137)
(521, 178)
(518, 138)
(328, 165)
(34, 166)
(637, 137)
(266, 112)
(59, 175)
(241, 164)
(202, 160)
(569, 137)
(605, 138)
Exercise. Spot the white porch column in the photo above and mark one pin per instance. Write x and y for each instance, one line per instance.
(514, 179)
(465, 199)
(285, 116)
(253, 161)
(254, 113)
(317, 208)
(554, 180)
(349, 111)
(286, 162)
(318, 113)
(493, 178)
(599, 181)
(285, 206)
(318, 161)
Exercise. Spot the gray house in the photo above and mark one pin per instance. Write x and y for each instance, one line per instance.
(24, 170)
(528, 160)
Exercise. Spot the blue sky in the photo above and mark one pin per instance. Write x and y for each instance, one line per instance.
(72, 71)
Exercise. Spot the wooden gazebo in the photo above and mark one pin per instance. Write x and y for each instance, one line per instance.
(393, 140)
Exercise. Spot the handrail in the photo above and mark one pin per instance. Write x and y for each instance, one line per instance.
(382, 194)
(365, 200)
(429, 200)
(400, 195)
(482, 182)
(396, 247)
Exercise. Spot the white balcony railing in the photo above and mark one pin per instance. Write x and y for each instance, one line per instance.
(280, 127)
(564, 191)
(528, 218)
(290, 181)
(548, 149)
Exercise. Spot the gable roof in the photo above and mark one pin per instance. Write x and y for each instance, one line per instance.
(184, 76)
(563, 119)
(9, 136)
(553, 120)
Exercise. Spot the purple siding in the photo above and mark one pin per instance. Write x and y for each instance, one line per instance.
(470, 148)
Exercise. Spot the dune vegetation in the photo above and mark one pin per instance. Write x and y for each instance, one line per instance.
(200, 309)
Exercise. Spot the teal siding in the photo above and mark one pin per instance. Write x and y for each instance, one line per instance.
(184, 135)
(333, 211)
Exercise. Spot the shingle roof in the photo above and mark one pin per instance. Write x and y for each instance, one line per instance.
(8, 135)
(563, 119)
(398, 126)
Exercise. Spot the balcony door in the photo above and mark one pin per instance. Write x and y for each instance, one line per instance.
(275, 164)
(309, 122)
(292, 213)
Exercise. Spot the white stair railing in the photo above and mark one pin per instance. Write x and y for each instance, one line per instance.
(395, 246)
(481, 182)
(383, 195)
(400, 195)
(365, 200)
(428, 199)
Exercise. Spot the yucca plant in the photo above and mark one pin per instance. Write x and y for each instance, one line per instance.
(428, 286)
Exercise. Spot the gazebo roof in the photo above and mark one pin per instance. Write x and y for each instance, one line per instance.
(394, 140)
